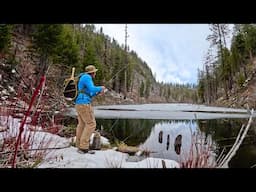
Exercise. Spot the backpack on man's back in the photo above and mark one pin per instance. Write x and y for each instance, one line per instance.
(70, 91)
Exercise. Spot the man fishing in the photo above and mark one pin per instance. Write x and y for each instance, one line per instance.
(86, 119)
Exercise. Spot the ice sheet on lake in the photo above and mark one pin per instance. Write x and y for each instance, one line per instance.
(165, 111)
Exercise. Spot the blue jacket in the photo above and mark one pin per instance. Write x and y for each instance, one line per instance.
(86, 86)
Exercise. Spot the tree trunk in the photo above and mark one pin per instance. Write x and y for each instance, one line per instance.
(222, 58)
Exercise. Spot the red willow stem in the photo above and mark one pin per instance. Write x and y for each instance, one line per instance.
(21, 129)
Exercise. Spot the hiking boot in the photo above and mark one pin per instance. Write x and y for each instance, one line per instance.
(84, 151)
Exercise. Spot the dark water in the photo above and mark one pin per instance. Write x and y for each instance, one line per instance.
(172, 139)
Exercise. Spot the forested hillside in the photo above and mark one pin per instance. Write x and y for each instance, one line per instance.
(28, 51)
(228, 77)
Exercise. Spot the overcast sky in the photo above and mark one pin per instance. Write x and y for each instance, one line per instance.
(174, 52)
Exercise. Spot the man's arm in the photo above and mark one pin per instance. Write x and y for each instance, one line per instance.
(91, 89)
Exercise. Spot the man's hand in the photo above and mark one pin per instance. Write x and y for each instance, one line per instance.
(103, 91)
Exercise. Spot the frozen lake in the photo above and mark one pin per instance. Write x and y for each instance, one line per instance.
(165, 111)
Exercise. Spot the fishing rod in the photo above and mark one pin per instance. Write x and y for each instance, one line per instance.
(109, 89)
(116, 74)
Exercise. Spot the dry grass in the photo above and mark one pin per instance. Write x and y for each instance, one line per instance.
(122, 147)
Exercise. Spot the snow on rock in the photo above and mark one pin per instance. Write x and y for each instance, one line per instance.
(11, 89)
(5, 92)
(103, 140)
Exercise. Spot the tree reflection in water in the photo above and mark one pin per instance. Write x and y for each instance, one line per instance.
(177, 144)
(183, 142)
(160, 137)
(205, 137)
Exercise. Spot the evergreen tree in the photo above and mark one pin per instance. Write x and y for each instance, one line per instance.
(5, 37)
(47, 38)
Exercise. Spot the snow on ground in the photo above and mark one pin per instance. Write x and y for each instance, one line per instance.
(37, 138)
(70, 158)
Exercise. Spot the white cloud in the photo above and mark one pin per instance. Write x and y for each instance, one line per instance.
(174, 52)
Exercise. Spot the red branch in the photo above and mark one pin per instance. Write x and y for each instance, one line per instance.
(25, 118)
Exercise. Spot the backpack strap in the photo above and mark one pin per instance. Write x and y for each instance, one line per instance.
(83, 92)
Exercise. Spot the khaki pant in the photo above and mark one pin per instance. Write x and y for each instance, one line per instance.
(86, 125)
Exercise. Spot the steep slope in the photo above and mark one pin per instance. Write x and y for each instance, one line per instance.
(245, 96)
